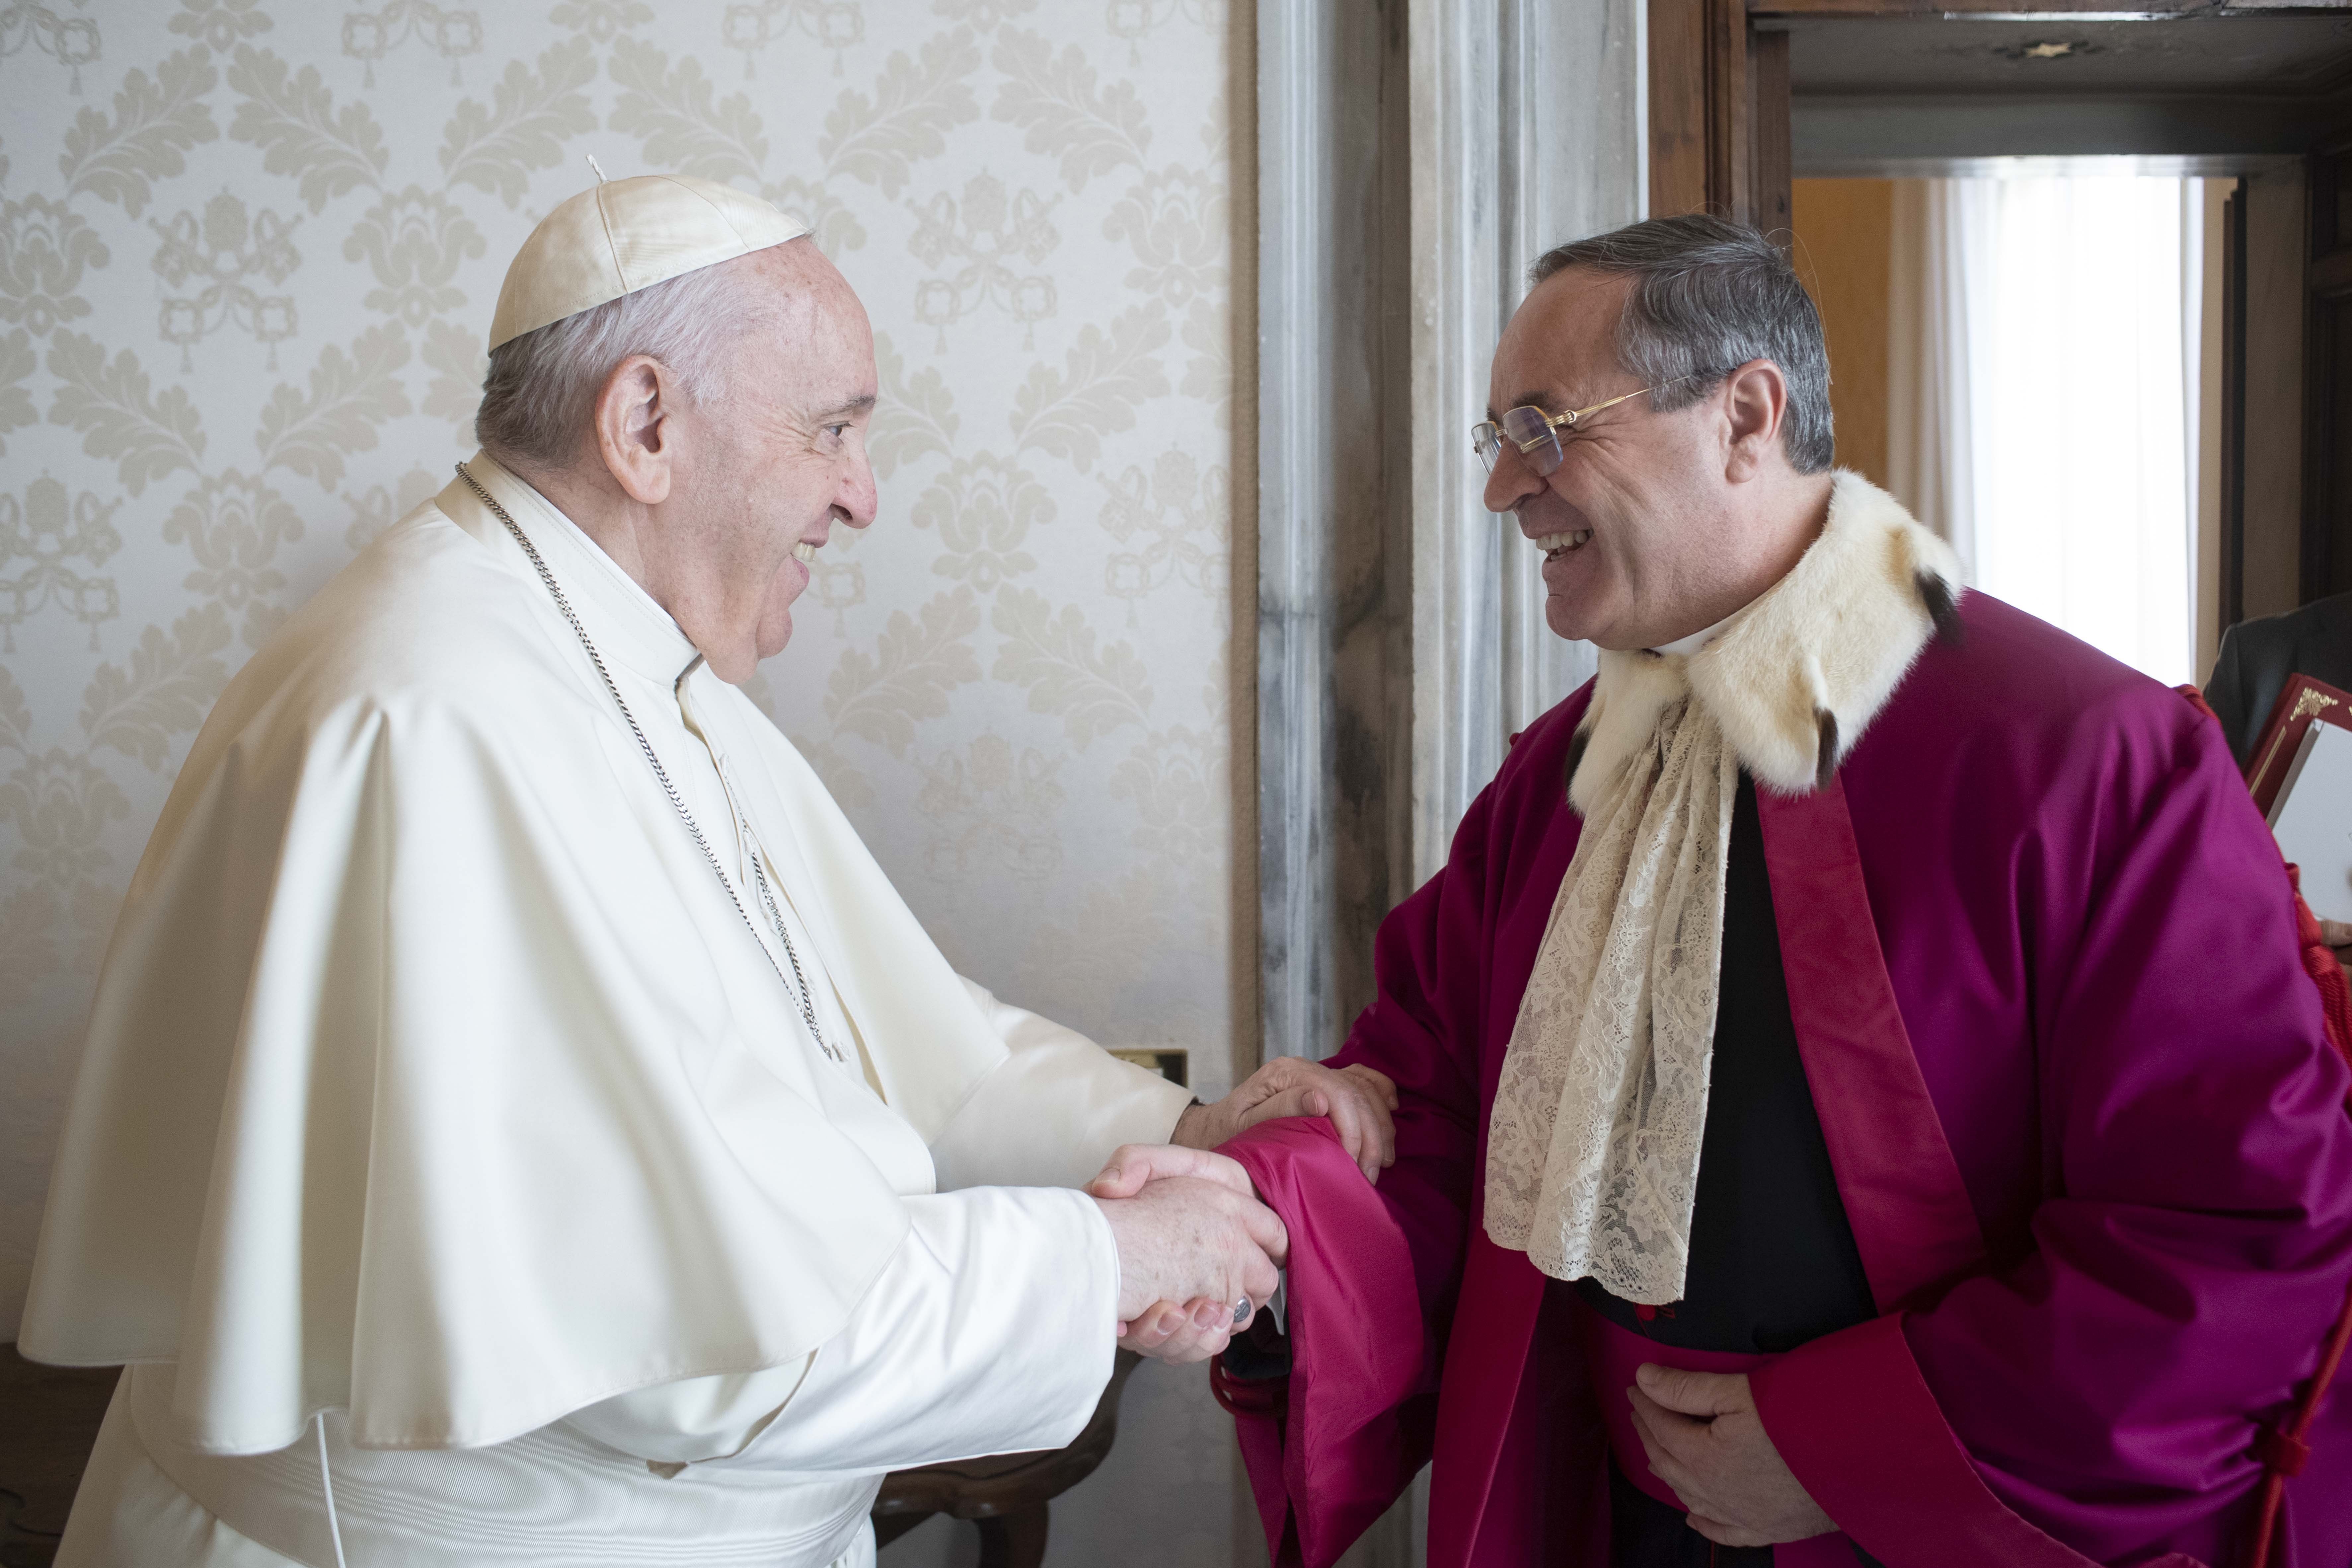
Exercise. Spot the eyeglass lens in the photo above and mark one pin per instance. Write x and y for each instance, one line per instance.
(1539, 442)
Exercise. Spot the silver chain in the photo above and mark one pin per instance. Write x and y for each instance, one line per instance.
(799, 982)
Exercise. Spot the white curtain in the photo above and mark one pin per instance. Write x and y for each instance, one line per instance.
(2043, 333)
(1934, 349)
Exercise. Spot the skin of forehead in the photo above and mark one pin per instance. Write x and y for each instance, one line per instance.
(1566, 322)
(810, 313)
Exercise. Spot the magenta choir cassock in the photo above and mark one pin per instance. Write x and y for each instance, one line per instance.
(2085, 1122)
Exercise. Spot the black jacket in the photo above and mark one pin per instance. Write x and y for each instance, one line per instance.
(2258, 655)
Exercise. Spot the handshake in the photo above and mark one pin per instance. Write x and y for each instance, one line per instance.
(1198, 1254)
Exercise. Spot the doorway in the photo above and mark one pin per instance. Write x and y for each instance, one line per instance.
(1994, 200)
(2021, 356)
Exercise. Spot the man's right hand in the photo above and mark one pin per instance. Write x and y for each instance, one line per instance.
(1188, 1230)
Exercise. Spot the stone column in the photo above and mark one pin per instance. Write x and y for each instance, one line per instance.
(1415, 156)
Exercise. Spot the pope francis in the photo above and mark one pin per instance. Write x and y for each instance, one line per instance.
(519, 1123)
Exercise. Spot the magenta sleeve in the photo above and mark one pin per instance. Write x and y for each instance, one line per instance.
(1350, 1429)
(1373, 1271)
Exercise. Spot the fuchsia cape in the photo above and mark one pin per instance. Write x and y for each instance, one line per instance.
(2043, 967)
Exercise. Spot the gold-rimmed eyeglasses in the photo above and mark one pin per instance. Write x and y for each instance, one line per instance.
(1537, 433)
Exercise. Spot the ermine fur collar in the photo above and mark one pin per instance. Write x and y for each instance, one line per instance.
(1797, 676)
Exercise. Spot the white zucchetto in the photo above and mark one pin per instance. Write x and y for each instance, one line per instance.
(620, 235)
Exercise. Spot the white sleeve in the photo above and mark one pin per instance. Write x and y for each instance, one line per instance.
(1051, 1113)
(989, 1331)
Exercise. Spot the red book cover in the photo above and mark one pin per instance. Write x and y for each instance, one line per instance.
(2304, 703)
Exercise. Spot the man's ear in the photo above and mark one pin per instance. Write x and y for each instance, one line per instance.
(636, 427)
(1756, 400)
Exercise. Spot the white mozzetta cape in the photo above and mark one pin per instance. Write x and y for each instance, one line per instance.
(432, 1079)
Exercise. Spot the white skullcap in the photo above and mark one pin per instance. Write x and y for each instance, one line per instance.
(621, 235)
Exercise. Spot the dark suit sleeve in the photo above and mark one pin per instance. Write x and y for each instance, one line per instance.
(2226, 694)
(2255, 660)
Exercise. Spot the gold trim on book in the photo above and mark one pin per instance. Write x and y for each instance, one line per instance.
(2309, 704)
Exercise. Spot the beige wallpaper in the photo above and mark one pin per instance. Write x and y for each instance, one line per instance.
(248, 252)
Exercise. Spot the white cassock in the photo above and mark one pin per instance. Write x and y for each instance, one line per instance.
(438, 1100)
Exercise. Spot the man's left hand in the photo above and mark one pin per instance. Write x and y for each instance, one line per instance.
(1357, 1099)
(1705, 1439)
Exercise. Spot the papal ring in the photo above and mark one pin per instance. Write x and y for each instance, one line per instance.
(1242, 1310)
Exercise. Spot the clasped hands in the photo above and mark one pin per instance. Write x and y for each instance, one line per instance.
(1193, 1240)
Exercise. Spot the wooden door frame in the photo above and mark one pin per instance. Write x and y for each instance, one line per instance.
(1772, 157)
(2232, 567)
(2120, 10)
(1719, 139)
(1719, 82)
(1720, 142)
(2324, 564)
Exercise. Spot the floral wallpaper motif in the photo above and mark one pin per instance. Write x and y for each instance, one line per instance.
(247, 253)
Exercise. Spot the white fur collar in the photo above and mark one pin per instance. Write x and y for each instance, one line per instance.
(1797, 676)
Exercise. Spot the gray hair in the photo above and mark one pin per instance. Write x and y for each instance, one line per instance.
(1709, 296)
(538, 398)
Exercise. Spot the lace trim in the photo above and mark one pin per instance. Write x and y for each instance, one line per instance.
(1593, 1151)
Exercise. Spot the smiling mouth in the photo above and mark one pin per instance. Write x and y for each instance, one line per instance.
(804, 552)
(1555, 545)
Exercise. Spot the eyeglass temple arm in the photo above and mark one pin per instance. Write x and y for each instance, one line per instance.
(1573, 414)
(1554, 421)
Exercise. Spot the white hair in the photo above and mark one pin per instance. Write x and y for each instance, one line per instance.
(538, 397)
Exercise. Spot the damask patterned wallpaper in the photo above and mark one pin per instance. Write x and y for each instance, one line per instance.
(248, 250)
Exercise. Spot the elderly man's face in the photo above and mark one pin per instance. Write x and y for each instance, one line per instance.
(779, 458)
(1632, 523)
